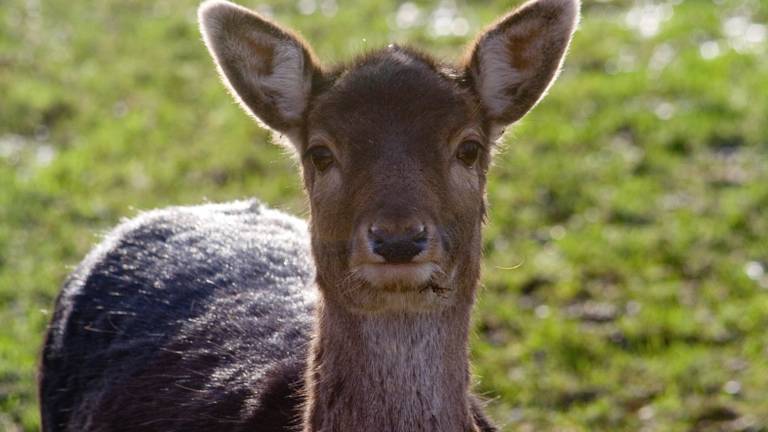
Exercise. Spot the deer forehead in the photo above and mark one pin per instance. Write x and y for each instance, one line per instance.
(393, 97)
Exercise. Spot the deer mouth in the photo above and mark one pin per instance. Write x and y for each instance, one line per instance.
(379, 287)
(398, 277)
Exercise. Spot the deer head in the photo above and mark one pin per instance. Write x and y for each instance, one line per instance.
(394, 146)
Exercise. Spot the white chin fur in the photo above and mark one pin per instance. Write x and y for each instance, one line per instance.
(397, 275)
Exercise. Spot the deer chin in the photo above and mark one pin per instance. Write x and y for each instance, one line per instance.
(411, 287)
(397, 277)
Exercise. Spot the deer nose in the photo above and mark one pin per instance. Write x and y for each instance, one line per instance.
(398, 244)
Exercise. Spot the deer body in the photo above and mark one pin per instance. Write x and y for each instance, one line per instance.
(156, 324)
(234, 317)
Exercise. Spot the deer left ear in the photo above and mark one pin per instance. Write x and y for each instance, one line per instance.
(514, 62)
(267, 68)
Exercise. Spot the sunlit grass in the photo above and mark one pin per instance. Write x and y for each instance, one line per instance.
(626, 267)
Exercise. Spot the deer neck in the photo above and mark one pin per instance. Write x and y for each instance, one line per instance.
(389, 372)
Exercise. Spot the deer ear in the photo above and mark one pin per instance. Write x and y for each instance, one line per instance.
(267, 68)
(513, 63)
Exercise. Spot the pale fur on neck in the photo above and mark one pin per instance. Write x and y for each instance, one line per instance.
(389, 372)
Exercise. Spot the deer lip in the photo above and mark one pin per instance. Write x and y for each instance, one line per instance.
(396, 265)
(411, 274)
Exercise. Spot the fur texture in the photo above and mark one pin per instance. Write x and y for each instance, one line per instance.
(214, 318)
(184, 319)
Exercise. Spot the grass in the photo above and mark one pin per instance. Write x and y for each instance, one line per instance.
(625, 283)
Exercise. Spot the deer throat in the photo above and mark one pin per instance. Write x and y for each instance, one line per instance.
(389, 372)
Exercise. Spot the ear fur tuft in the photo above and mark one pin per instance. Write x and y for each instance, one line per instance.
(267, 68)
(514, 62)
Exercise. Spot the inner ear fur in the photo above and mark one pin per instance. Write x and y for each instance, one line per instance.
(513, 63)
(267, 68)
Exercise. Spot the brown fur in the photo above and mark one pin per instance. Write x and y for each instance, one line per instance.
(391, 354)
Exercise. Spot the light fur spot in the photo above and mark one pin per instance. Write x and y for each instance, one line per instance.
(497, 75)
(464, 180)
(286, 83)
(327, 185)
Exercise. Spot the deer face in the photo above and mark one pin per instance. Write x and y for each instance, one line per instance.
(394, 163)
(394, 147)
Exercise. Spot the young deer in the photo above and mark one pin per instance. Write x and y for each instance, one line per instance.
(204, 319)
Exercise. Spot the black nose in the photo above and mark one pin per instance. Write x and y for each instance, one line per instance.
(398, 245)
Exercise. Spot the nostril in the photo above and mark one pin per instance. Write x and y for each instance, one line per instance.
(375, 232)
(400, 246)
(376, 236)
(421, 233)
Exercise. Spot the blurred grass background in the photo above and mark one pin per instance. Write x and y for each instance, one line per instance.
(625, 272)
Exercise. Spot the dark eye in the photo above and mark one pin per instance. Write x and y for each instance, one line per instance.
(468, 152)
(321, 157)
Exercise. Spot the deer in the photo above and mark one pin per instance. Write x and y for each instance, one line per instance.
(239, 317)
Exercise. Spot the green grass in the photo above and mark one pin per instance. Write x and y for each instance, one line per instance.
(626, 268)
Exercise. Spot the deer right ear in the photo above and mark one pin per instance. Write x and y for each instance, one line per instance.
(515, 61)
(267, 68)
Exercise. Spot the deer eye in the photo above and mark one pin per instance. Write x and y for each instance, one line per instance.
(468, 152)
(321, 157)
